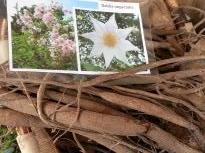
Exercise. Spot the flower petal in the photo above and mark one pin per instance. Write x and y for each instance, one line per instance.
(124, 33)
(99, 26)
(92, 36)
(108, 56)
(111, 25)
(97, 50)
(126, 45)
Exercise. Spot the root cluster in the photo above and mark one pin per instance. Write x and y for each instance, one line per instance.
(125, 112)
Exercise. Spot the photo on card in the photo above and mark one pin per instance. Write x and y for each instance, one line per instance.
(42, 37)
(109, 41)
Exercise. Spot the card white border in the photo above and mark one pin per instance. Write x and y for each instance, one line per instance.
(78, 71)
(142, 35)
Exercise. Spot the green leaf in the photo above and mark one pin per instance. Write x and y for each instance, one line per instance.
(91, 67)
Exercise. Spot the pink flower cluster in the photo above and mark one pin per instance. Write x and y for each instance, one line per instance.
(26, 19)
(58, 44)
(48, 18)
(44, 13)
(65, 45)
(39, 11)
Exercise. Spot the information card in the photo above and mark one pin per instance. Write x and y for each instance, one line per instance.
(75, 36)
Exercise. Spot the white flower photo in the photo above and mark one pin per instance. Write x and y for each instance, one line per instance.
(109, 42)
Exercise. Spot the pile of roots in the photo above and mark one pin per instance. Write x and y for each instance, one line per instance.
(162, 112)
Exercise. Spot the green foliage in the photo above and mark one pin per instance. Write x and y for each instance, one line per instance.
(8, 142)
(30, 55)
(90, 67)
(84, 25)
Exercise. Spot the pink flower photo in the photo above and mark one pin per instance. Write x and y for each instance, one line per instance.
(42, 36)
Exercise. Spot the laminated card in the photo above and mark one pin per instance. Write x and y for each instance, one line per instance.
(75, 36)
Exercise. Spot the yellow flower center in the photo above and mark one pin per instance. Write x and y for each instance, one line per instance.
(110, 39)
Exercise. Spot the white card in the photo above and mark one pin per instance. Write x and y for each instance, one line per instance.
(76, 37)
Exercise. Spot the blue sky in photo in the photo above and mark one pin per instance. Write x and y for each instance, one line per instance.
(91, 4)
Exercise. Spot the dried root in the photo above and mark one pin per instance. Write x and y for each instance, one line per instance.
(123, 112)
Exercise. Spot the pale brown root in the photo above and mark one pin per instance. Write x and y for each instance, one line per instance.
(165, 22)
(187, 91)
(197, 99)
(132, 72)
(173, 145)
(164, 139)
(167, 98)
(87, 120)
(97, 122)
(147, 79)
(108, 123)
(196, 131)
(156, 45)
(85, 103)
(111, 144)
(40, 102)
(102, 79)
(65, 98)
(46, 144)
(138, 79)
(147, 107)
(15, 119)
(183, 74)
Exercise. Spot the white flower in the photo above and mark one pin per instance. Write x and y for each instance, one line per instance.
(110, 41)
